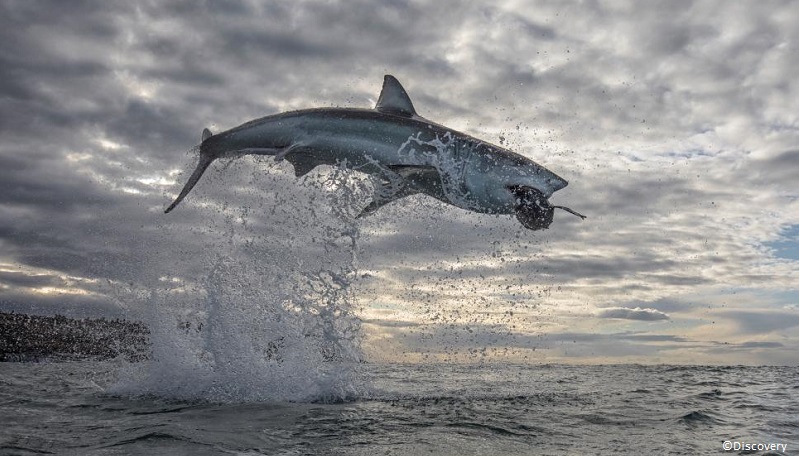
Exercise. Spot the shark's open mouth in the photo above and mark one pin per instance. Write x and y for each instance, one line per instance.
(533, 209)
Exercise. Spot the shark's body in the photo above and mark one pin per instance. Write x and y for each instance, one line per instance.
(406, 153)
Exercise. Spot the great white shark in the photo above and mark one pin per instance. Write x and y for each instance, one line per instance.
(407, 154)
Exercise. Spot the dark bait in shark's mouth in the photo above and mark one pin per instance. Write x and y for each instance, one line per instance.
(533, 209)
(406, 154)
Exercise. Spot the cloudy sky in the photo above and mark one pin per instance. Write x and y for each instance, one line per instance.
(676, 124)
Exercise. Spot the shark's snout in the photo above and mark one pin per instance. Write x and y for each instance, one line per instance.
(556, 182)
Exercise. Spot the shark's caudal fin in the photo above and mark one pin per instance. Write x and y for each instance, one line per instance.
(205, 160)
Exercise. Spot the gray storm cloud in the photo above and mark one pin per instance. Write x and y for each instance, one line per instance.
(675, 125)
(636, 313)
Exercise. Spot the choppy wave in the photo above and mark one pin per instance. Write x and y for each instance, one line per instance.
(449, 410)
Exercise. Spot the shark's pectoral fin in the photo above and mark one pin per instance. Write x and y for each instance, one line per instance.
(419, 176)
(402, 181)
(389, 188)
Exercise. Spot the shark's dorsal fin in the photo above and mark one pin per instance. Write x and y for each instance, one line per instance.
(394, 99)
(207, 134)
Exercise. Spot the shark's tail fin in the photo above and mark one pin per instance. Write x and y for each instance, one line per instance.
(206, 158)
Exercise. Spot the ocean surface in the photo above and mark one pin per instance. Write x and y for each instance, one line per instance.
(74, 407)
(255, 347)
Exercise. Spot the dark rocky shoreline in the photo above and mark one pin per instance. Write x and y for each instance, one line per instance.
(35, 338)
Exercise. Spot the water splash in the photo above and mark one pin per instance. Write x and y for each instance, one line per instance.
(449, 156)
(270, 316)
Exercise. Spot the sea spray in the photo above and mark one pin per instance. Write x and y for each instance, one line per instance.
(269, 314)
